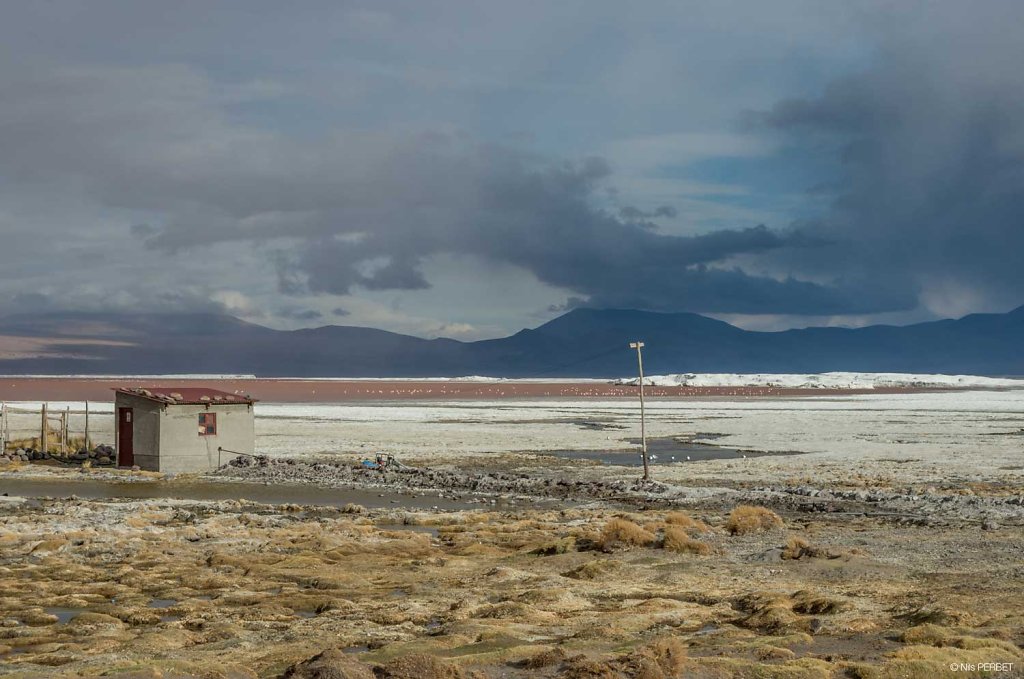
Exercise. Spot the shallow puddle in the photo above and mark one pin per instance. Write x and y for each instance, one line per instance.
(429, 530)
(163, 604)
(63, 614)
(277, 494)
(17, 650)
(662, 450)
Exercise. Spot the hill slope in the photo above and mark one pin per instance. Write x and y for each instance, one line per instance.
(581, 343)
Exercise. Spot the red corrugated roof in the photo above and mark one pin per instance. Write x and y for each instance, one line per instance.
(186, 395)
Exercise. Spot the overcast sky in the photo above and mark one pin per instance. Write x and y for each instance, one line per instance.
(467, 169)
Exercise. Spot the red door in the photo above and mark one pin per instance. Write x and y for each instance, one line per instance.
(125, 438)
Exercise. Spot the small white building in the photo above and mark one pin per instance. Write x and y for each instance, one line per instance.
(182, 429)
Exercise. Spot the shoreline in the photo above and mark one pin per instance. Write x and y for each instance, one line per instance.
(319, 390)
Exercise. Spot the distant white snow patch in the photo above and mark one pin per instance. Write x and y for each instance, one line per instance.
(832, 380)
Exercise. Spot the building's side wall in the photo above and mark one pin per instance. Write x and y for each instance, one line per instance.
(146, 417)
(182, 449)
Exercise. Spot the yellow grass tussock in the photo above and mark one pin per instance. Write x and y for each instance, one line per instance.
(677, 540)
(687, 523)
(624, 533)
(797, 548)
(746, 519)
(592, 570)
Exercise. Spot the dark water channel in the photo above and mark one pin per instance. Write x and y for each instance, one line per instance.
(662, 450)
(277, 494)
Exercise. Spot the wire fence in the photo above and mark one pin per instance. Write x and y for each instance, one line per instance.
(221, 449)
(58, 431)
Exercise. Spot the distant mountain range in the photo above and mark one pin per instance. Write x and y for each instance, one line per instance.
(581, 343)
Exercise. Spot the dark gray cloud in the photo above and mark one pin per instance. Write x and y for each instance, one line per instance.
(572, 302)
(633, 214)
(29, 302)
(185, 298)
(436, 194)
(929, 149)
(255, 190)
(298, 314)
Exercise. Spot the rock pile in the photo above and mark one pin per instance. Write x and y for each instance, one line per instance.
(100, 455)
(926, 507)
(907, 506)
(23, 455)
(342, 473)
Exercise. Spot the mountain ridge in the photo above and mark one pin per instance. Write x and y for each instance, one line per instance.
(579, 343)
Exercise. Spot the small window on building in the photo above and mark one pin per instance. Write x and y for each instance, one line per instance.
(207, 424)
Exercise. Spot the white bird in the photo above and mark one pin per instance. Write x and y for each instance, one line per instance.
(687, 458)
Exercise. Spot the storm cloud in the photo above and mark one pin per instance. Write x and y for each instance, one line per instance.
(329, 173)
(363, 212)
(928, 145)
(434, 194)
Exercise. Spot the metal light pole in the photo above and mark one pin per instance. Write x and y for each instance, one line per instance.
(638, 345)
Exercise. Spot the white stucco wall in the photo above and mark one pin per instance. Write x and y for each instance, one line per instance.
(182, 449)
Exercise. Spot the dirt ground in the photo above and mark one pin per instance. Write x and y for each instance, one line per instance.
(891, 546)
(177, 588)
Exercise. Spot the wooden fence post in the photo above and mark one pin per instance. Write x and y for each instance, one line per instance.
(42, 434)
